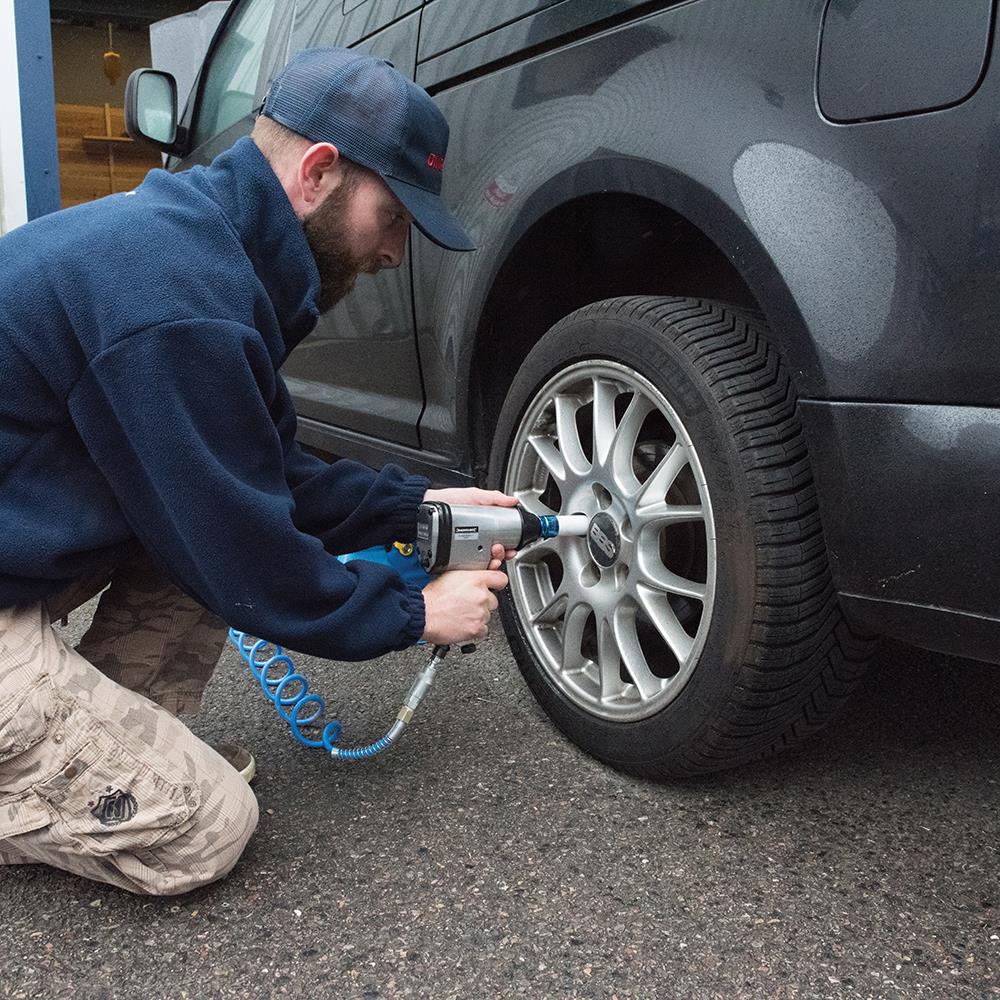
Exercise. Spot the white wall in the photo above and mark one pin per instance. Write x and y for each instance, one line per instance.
(13, 193)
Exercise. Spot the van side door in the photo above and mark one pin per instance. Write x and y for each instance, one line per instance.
(357, 375)
(358, 370)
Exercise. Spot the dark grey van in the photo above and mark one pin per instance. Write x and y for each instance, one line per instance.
(734, 299)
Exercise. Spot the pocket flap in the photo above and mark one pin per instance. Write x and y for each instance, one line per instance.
(22, 814)
(24, 720)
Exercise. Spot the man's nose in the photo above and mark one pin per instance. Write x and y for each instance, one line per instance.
(391, 254)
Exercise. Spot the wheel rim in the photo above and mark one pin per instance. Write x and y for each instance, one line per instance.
(617, 618)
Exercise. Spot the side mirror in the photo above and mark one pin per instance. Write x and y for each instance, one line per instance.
(151, 108)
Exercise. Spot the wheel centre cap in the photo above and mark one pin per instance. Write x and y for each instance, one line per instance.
(603, 539)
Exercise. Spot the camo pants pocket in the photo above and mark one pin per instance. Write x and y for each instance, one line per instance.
(28, 715)
(99, 781)
(93, 788)
(109, 798)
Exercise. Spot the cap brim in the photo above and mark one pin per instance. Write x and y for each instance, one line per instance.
(431, 216)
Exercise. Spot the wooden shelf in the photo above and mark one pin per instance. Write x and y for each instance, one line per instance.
(85, 172)
(102, 143)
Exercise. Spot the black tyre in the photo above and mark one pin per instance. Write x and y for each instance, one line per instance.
(696, 626)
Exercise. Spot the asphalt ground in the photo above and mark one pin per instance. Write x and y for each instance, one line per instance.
(486, 857)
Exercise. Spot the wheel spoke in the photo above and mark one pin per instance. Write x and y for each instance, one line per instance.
(627, 638)
(653, 572)
(661, 578)
(550, 455)
(536, 558)
(537, 551)
(573, 630)
(625, 439)
(663, 513)
(654, 489)
(570, 445)
(609, 660)
(662, 615)
(552, 610)
(605, 394)
(530, 500)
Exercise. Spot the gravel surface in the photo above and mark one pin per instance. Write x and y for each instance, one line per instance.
(486, 857)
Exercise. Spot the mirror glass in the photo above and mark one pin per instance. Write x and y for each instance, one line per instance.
(155, 107)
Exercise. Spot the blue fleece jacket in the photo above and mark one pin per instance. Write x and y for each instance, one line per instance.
(140, 340)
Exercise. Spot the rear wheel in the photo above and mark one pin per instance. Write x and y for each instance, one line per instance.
(696, 625)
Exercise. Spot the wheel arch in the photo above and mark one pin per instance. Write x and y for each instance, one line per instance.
(612, 227)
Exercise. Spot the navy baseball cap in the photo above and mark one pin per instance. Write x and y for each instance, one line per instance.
(376, 117)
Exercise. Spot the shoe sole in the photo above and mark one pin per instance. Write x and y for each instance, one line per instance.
(250, 771)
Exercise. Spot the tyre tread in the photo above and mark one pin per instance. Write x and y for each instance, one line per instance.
(802, 660)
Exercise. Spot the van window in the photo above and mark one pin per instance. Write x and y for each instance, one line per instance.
(228, 93)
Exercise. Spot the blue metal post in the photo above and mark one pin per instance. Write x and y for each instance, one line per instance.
(38, 105)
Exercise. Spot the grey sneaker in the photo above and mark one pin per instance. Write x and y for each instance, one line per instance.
(239, 757)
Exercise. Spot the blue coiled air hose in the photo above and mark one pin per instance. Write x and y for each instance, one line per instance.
(290, 695)
(289, 692)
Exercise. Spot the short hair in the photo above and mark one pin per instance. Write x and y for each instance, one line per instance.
(276, 141)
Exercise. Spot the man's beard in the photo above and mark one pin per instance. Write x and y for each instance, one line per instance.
(329, 239)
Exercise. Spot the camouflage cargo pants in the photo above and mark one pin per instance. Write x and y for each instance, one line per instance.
(97, 775)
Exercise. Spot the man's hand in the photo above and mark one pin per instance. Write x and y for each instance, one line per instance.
(458, 604)
(471, 496)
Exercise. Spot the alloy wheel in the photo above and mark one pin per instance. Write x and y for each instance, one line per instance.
(617, 618)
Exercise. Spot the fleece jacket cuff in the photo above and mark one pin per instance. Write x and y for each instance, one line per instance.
(403, 523)
(414, 603)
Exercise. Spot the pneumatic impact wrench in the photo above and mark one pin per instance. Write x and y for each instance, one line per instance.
(448, 537)
(462, 537)
(452, 536)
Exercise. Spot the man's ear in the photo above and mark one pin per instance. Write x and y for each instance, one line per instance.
(318, 173)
